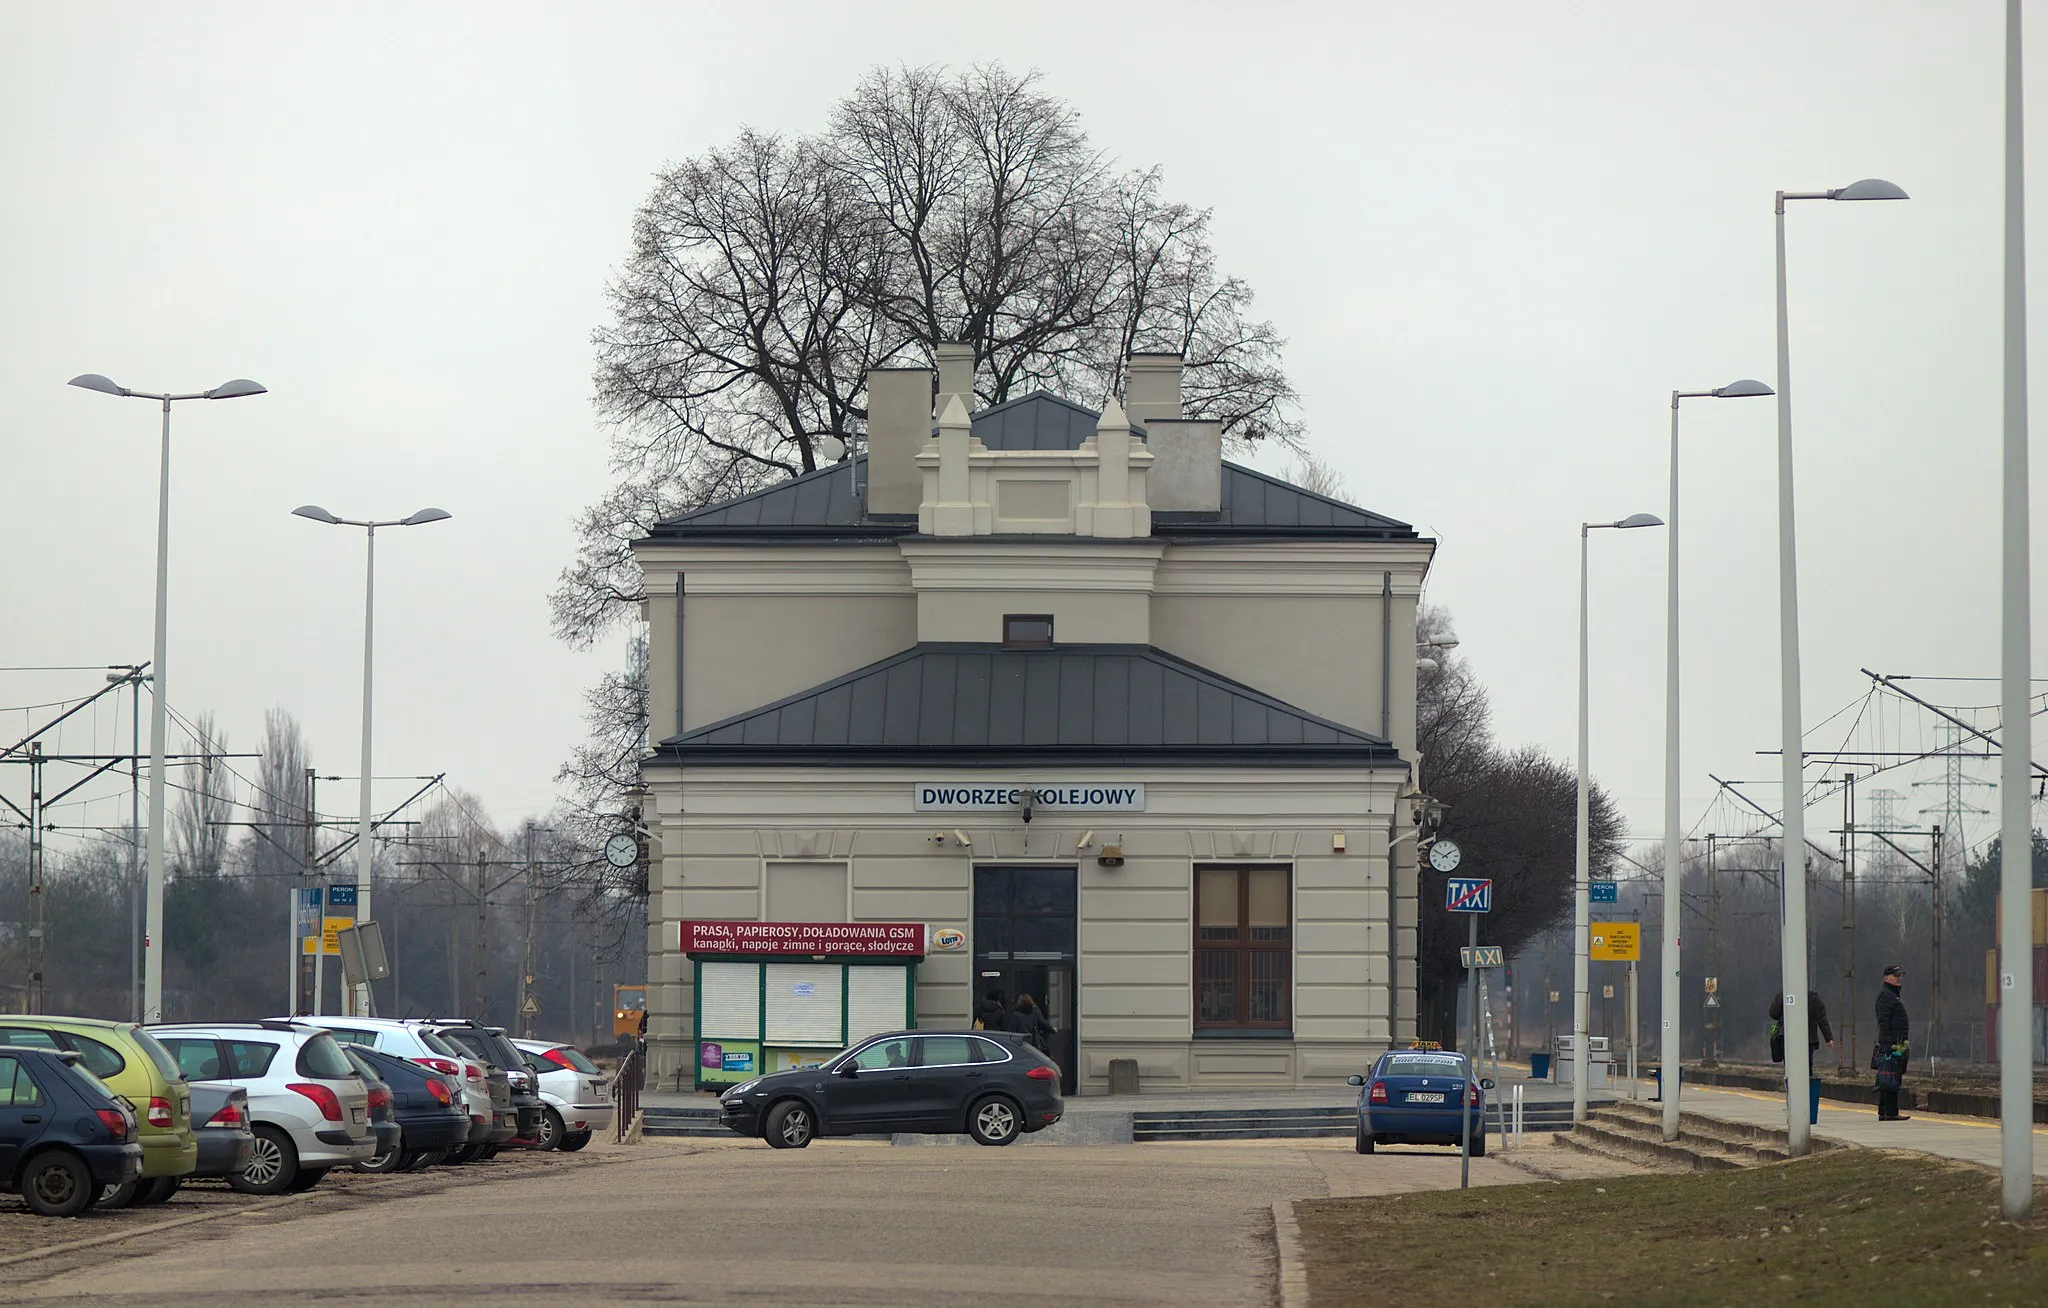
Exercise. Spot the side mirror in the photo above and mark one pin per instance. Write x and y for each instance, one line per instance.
(849, 1071)
(1486, 1083)
(1354, 1080)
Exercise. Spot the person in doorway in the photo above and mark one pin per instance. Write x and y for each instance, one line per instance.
(1029, 1021)
(1888, 1056)
(1817, 1028)
(992, 1014)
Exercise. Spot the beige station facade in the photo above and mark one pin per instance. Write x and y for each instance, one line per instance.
(1112, 719)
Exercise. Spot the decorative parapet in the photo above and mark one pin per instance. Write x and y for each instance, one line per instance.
(1098, 490)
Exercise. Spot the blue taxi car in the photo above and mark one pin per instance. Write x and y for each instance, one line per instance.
(1419, 1095)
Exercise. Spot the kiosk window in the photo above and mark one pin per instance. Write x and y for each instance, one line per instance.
(1244, 948)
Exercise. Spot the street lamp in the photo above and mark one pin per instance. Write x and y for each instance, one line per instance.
(1667, 1041)
(1792, 946)
(153, 911)
(1582, 909)
(359, 998)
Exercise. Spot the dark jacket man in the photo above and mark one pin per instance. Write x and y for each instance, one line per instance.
(1892, 1031)
(1817, 1028)
(1029, 1020)
(992, 1012)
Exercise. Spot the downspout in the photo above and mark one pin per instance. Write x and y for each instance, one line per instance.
(1393, 811)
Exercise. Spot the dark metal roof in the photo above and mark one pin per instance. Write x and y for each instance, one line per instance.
(962, 702)
(829, 503)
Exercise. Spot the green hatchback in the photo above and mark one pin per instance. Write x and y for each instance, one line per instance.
(140, 1070)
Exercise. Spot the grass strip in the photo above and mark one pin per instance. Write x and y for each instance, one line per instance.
(1850, 1226)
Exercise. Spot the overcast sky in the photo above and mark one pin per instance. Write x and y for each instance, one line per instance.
(1496, 236)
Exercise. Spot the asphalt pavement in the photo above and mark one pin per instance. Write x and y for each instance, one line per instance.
(838, 1223)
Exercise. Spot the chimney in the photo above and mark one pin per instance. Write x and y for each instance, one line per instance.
(1187, 465)
(899, 425)
(956, 374)
(1151, 387)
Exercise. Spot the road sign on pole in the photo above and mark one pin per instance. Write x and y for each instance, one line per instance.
(1616, 942)
(1481, 956)
(1468, 895)
(1603, 892)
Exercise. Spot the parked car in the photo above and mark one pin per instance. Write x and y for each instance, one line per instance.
(311, 1109)
(1421, 1096)
(220, 1118)
(486, 1091)
(489, 1043)
(134, 1066)
(573, 1091)
(431, 1115)
(382, 1120)
(992, 1087)
(65, 1136)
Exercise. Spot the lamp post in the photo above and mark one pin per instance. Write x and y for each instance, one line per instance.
(1582, 895)
(359, 1001)
(153, 897)
(1582, 910)
(1792, 945)
(1667, 1039)
(2015, 1053)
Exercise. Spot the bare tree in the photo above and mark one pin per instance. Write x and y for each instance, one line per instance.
(205, 807)
(283, 799)
(767, 276)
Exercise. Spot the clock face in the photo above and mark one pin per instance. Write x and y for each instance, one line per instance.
(1444, 856)
(621, 850)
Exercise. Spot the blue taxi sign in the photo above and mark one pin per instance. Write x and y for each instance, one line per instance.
(1468, 895)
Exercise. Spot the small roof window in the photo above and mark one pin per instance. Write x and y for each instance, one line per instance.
(1027, 631)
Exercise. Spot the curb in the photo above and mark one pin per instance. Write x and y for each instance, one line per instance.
(1293, 1272)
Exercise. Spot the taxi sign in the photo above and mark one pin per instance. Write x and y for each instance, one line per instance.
(1468, 895)
(1424, 1045)
(1615, 942)
(1482, 956)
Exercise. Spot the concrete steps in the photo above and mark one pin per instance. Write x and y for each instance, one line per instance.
(1244, 1123)
(681, 1121)
(1634, 1132)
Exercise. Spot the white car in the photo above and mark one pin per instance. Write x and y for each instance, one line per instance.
(488, 1125)
(308, 1108)
(575, 1090)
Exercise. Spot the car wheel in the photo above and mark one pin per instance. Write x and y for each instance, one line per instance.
(551, 1131)
(122, 1195)
(1365, 1143)
(306, 1179)
(58, 1184)
(273, 1162)
(156, 1190)
(790, 1125)
(573, 1140)
(490, 1151)
(468, 1153)
(994, 1121)
(388, 1161)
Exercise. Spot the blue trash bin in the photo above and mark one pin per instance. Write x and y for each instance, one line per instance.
(1539, 1067)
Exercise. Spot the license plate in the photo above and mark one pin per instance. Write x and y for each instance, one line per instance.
(360, 1115)
(1425, 1098)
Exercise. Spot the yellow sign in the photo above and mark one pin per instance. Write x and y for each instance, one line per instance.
(1615, 942)
(330, 942)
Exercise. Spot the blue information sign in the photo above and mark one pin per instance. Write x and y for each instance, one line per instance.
(341, 896)
(1468, 895)
(1603, 892)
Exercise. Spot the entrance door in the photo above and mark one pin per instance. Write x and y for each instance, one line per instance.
(1026, 927)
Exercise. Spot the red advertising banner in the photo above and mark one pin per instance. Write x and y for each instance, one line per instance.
(834, 939)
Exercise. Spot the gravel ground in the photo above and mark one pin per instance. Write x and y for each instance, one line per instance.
(22, 1231)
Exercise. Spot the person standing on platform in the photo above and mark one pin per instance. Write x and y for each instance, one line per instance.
(1889, 1055)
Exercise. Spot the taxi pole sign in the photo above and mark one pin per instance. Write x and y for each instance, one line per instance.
(1471, 896)
(1480, 956)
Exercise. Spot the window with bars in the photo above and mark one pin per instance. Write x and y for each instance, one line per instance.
(1244, 949)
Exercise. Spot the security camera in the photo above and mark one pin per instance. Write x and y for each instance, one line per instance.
(961, 836)
(938, 837)
(1087, 839)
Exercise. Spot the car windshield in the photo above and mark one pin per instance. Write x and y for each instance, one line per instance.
(576, 1059)
(321, 1057)
(363, 1066)
(436, 1045)
(497, 1048)
(84, 1073)
(1423, 1065)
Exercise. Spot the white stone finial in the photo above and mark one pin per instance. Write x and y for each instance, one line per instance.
(955, 414)
(1113, 418)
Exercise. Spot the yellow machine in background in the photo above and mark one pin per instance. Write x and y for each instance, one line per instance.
(629, 1005)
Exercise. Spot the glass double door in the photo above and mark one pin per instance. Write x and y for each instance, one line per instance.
(1026, 933)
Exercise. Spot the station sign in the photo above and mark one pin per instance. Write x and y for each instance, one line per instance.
(1603, 892)
(827, 939)
(1615, 942)
(970, 796)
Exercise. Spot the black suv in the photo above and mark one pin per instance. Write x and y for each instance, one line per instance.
(64, 1136)
(489, 1044)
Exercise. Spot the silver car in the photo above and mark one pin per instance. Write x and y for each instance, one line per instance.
(490, 1111)
(308, 1109)
(575, 1091)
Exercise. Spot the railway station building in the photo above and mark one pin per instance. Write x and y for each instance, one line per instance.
(1041, 699)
